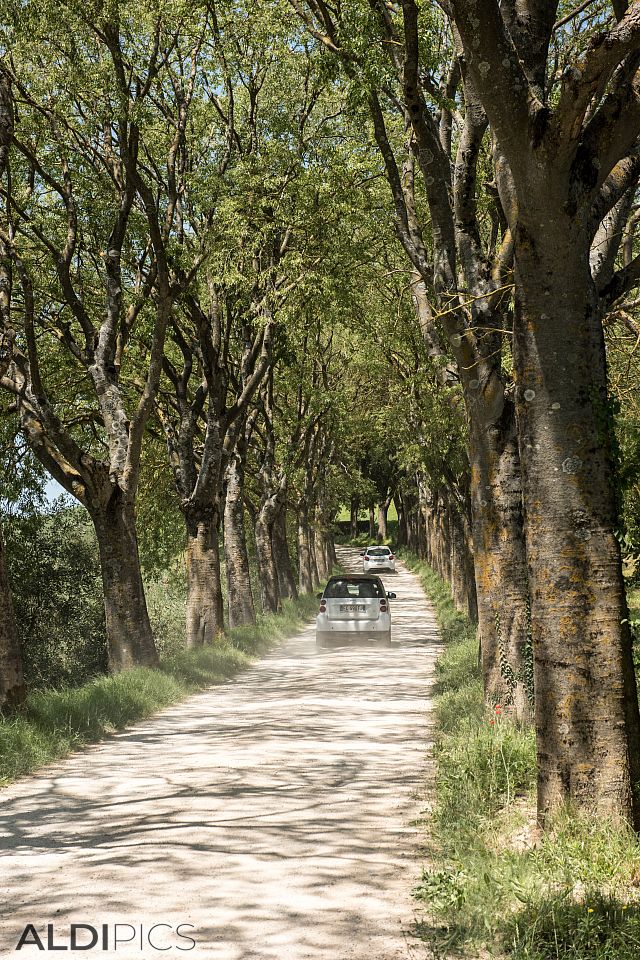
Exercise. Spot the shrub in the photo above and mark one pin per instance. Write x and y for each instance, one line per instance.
(54, 572)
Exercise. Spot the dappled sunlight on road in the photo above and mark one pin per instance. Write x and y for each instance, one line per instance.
(274, 812)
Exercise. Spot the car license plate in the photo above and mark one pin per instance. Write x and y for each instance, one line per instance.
(352, 608)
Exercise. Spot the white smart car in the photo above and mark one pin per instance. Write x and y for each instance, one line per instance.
(378, 558)
(354, 607)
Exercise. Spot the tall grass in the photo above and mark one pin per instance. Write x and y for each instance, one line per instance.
(494, 885)
(52, 723)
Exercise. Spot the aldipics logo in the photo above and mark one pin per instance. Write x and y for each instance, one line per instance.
(108, 936)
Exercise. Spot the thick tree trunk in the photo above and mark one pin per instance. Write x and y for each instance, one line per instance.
(328, 561)
(587, 723)
(458, 569)
(205, 612)
(239, 596)
(305, 575)
(383, 509)
(500, 565)
(129, 637)
(287, 586)
(331, 552)
(321, 554)
(411, 519)
(267, 572)
(313, 559)
(12, 687)
(372, 523)
(468, 561)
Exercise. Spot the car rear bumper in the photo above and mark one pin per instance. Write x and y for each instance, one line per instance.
(381, 624)
(328, 637)
(353, 630)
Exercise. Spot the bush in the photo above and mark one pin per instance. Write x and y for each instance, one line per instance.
(54, 571)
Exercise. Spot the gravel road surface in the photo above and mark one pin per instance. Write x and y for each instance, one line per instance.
(275, 814)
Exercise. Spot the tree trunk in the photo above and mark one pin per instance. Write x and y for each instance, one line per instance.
(353, 523)
(320, 550)
(267, 572)
(372, 523)
(12, 688)
(411, 515)
(287, 586)
(129, 637)
(330, 548)
(313, 560)
(500, 565)
(402, 520)
(383, 509)
(205, 612)
(329, 558)
(470, 572)
(305, 577)
(239, 596)
(587, 723)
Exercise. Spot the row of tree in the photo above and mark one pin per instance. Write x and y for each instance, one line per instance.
(508, 135)
(325, 254)
(165, 249)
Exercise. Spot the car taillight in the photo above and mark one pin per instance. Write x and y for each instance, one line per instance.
(392, 556)
(323, 607)
(383, 605)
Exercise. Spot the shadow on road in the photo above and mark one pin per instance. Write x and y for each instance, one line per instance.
(273, 813)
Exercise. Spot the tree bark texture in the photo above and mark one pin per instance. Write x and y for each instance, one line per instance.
(383, 509)
(501, 566)
(305, 574)
(321, 552)
(287, 586)
(587, 724)
(12, 687)
(239, 595)
(267, 571)
(464, 584)
(129, 637)
(205, 613)
(313, 559)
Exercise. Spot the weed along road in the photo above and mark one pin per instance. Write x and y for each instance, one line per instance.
(268, 818)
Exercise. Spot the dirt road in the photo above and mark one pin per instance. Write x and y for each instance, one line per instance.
(273, 814)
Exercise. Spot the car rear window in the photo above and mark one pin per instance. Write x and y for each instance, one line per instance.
(352, 587)
(378, 551)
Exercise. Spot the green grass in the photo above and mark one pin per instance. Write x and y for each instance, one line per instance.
(53, 723)
(494, 886)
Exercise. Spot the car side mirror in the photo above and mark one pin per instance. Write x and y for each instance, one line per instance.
(362, 553)
(319, 596)
(391, 596)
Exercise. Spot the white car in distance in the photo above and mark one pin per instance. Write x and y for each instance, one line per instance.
(354, 607)
(378, 558)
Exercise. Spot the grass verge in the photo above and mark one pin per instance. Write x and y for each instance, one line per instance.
(53, 723)
(495, 886)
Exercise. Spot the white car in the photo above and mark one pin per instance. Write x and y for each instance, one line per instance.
(354, 607)
(378, 558)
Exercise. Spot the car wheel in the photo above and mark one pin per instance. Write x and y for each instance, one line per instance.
(320, 643)
(386, 640)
